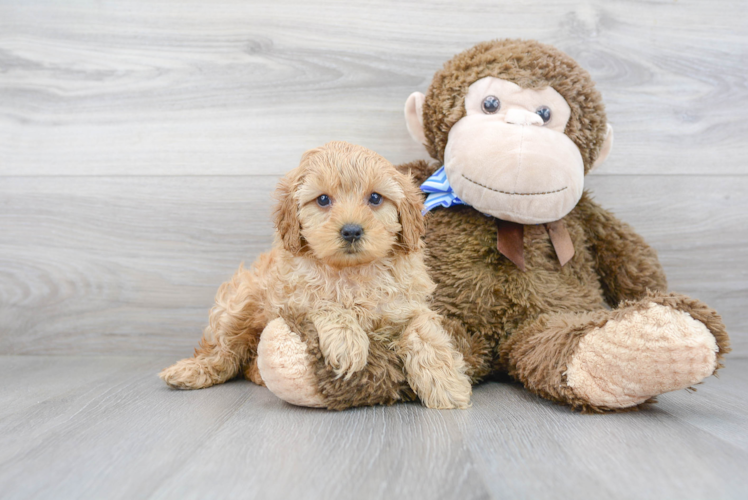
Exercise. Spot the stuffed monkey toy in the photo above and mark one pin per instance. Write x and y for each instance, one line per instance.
(534, 279)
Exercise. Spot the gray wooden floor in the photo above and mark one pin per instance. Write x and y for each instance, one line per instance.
(106, 427)
(140, 142)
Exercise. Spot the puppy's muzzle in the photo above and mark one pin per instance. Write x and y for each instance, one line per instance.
(351, 232)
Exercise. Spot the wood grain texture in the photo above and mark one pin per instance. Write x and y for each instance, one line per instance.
(107, 428)
(543, 451)
(140, 141)
(235, 87)
(122, 265)
(130, 265)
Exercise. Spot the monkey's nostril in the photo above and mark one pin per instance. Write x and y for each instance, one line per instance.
(351, 232)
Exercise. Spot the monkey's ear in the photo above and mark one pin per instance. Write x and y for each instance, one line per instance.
(605, 149)
(414, 117)
(287, 211)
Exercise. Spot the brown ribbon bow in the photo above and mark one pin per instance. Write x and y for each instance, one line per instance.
(510, 241)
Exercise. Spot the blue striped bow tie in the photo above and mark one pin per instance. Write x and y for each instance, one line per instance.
(440, 192)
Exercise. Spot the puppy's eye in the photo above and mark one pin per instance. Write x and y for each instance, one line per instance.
(375, 199)
(323, 200)
(491, 104)
(544, 112)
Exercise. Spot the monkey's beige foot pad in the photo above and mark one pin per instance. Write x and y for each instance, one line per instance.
(286, 367)
(641, 355)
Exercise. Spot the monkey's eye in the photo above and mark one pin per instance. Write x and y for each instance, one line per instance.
(544, 112)
(491, 105)
(375, 199)
(323, 200)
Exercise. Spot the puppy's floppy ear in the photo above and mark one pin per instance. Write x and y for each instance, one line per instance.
(287, 211)
(411, 220)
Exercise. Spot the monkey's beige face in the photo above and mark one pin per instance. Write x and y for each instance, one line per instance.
(348, 211)
(509, 156)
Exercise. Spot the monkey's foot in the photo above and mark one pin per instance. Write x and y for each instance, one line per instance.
(641, 354)
(286, 367)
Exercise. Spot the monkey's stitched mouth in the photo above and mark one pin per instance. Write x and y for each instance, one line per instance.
(507, 192)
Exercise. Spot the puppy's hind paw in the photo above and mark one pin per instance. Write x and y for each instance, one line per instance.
(186, 374)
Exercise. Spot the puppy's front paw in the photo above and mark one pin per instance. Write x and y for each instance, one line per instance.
(434, 368)
(186, 374)
(443, 387)
(345, 349)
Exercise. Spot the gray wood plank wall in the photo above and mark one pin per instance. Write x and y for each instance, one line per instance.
(140, 141)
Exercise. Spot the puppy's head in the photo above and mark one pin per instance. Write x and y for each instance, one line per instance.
(345, 206)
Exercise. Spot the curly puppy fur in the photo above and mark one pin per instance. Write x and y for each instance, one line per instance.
(339, 293)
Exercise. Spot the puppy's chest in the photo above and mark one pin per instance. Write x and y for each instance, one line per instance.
(371, 298)
(350, 293)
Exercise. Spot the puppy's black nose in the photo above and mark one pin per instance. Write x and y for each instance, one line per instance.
(351, 232)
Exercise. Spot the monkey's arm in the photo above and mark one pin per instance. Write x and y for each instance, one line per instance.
(419, 170)
(626, 265)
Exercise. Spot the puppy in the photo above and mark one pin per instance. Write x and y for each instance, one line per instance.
(348, 255)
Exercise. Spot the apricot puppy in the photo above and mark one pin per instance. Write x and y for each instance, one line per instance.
(348, 255)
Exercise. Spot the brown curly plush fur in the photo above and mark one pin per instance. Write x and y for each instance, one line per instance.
(488, 296)
(530, 324)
